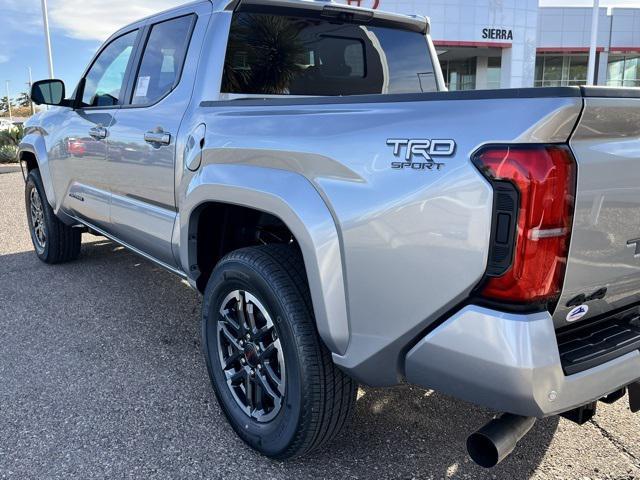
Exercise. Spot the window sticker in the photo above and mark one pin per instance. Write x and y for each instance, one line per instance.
(143, 86)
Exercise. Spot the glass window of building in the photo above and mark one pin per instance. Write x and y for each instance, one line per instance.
(623, 71)
(550, 71)
(578, 67)
(459, 74)
(494, 72)
(561, 70)
(539, 71)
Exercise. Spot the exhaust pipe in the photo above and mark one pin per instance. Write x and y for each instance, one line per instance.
(497, 439)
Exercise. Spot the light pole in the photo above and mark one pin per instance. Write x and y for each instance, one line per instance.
(591, 68)
(33, 110)
(47, 37)
(9, 102)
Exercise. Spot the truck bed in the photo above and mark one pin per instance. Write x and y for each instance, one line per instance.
(442, 229)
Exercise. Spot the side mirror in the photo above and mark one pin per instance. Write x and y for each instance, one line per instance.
(48, 92)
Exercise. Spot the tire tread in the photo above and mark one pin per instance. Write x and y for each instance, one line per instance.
(330, 400)
(64, 241)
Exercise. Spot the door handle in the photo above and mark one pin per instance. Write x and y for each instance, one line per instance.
(157, 137)
(98, 132)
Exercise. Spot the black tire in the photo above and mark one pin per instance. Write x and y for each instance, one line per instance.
(318, 399)
(60, 243)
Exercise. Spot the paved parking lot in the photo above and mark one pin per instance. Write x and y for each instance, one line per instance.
(101, 376)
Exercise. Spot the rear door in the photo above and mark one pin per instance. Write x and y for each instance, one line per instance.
(142, 139)
(603, 270)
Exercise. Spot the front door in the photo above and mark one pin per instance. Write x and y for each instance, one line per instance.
(79, 157)
(142, 141)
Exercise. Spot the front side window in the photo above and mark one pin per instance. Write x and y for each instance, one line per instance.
(162, 60)
(105, 79)
(285, 55)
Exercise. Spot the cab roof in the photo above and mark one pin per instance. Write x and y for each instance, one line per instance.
(329, 8)
(326, 8)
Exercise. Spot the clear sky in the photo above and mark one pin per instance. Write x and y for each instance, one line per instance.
(78, 27)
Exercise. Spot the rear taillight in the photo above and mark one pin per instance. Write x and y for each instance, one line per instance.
(534, 189)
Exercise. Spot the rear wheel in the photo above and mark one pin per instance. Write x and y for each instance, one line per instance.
(274, 379)
(53, 240)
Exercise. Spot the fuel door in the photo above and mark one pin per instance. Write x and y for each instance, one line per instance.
(193, 148)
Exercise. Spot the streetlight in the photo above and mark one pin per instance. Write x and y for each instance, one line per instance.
(591, 68)
(33, 110)
(47, 37)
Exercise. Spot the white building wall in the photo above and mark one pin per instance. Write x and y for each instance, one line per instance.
(625, 25)
(552, 29)
(455, 21)
(566, 28)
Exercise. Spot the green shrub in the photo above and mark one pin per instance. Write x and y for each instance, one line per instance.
(9, 141)
(8, 154)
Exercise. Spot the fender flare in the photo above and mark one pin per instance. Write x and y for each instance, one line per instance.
(35, 144)
(294, 200)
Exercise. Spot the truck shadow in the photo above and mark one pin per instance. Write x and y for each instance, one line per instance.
(401, 432)
(422, 434)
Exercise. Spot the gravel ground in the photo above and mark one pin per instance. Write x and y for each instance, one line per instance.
(101, 376)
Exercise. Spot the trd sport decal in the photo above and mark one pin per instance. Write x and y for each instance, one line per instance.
(419, 154)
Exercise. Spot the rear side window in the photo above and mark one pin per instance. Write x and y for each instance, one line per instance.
(162, 60)
(285, 55)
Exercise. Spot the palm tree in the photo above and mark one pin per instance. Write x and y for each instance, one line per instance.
(24, 99)
(263, 55)
(4, 103)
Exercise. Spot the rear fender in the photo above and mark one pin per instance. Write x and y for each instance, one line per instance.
(292, 198)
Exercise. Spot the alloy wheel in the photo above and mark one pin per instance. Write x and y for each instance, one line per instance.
(251, 355)
(37, 220)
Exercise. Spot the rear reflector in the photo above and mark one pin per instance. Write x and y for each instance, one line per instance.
(545, 178)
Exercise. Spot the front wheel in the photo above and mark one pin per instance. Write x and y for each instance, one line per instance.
(274, 379)
(54, 241)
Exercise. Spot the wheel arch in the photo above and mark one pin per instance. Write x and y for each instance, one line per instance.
(32, 154)
(291, 199)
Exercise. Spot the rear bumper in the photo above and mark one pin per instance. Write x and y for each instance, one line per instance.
(510, 363)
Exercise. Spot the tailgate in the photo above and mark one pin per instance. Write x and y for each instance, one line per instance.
(605, 242)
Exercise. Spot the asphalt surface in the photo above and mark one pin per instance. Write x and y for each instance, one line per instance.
(101, 376)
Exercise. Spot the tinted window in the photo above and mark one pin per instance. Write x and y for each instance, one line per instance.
(162, 60)
(105, 78)
(282, 55)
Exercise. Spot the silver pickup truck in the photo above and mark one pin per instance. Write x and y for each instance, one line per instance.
(348, 220)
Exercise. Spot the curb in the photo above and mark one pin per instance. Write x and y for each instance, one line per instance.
(9, 168)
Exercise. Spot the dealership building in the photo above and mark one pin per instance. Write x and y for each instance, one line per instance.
(515, 43)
